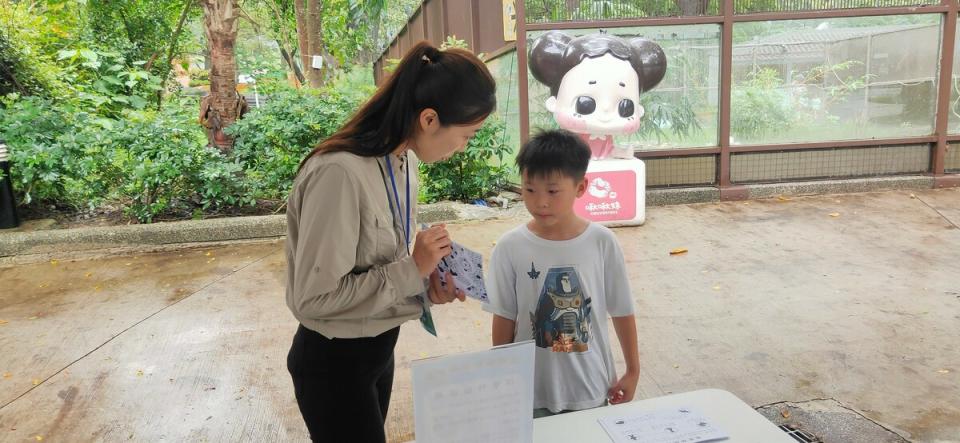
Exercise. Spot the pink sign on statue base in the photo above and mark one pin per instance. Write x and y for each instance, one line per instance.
(616, 193)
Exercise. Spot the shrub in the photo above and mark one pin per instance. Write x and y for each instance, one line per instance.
(470, 174)
(271, 141)
(762, 106)
(52, 150)
(168, 165)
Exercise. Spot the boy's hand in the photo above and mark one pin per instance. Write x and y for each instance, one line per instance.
(623, 391)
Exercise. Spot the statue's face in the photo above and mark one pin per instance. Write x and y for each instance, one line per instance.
(565, 284)
(600, 96)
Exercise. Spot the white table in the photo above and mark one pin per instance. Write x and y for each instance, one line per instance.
(736, 418)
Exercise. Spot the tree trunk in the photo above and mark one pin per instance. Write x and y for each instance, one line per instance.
(289, 60)
(314, 42)
(310, 35)
(220, 25)
(300, 10)
(693, 7)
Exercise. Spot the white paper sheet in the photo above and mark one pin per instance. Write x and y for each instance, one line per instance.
(679, 425)
(479, 397)
(467, 269)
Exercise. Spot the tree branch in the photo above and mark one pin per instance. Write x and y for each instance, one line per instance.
(172, 49)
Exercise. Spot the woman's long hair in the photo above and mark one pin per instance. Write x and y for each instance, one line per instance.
(453, 82)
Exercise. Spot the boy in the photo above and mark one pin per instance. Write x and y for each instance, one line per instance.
(555, 280)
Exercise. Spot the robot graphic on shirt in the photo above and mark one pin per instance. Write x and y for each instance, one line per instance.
(561, 321)
(595, 83)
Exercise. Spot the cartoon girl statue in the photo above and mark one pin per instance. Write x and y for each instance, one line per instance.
(595, 83)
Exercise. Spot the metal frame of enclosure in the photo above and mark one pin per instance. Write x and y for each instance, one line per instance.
(439, 18)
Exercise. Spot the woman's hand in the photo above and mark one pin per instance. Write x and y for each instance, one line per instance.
(431, 245)
(440, 294)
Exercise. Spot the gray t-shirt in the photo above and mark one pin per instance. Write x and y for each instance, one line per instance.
(560, 294)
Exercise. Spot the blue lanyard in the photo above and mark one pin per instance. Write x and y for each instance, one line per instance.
(396, 196)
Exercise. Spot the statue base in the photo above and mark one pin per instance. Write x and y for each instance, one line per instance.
(616, 193)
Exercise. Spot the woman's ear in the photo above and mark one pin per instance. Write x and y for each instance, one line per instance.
(429, 121)
(551, 104)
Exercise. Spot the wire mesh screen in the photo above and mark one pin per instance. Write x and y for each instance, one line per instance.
(681, 171)
(760, 167)
(952, 163)
(547, 11)
(748, 6)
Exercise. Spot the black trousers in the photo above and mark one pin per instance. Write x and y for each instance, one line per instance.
(343, 384)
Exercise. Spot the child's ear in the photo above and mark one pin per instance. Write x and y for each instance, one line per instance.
(581, 187)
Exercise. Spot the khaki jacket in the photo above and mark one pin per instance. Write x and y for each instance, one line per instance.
(348, 270)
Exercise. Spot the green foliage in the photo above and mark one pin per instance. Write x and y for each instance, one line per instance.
(761, 105)
(105, 84)
(344, 28)
(271, 141)
(675, 115)
(25, 65)
(475, 173)
(48, 149)
(166, 163)
(135, 29)
(151, 162)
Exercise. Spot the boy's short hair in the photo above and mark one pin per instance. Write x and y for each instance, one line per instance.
(554, 151)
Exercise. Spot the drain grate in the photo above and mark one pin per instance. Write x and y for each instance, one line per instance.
(798, 435)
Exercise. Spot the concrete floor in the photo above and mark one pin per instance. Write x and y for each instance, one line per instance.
(776, 301)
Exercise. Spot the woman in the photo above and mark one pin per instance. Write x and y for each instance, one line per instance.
(352, 280)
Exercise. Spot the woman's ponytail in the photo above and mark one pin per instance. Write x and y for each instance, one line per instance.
(453, 82)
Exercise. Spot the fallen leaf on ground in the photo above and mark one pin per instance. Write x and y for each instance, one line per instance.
(39, 438)
(676, 366)
(7, 375)
(88, 275)
(716, 288)
(208, 254)
(139, 372)
(782, 198)
(834, 214)
(3, 322)
(44, 285)
(36, 381)
(913, 196)
(944, 371)
(54, 262)
(32, 318)
(785, 413)
(678, 251)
